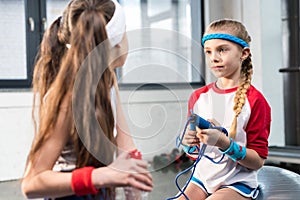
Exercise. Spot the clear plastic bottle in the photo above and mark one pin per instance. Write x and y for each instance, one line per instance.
(132, 193)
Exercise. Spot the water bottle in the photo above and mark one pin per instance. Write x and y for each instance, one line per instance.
(132, 193)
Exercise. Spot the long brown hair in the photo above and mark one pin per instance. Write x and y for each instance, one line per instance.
(237, 29)
(82, 26)
(48, 61)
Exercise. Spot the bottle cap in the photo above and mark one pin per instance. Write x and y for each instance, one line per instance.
(136, 154)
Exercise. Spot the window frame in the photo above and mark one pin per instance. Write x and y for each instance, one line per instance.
(197, 30)
(36, 9)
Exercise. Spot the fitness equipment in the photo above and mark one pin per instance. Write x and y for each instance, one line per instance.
(194, 120)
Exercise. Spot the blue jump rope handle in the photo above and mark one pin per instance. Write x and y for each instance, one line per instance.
(199, 121)
(196, 120)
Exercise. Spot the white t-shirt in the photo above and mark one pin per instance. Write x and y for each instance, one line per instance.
(253, 128)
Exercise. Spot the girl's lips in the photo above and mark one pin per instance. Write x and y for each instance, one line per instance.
(217, 67)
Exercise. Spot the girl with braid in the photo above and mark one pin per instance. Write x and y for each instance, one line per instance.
(233, 103)
(81, 149)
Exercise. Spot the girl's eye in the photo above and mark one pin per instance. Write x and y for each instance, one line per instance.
(207, 52)
(222, 50)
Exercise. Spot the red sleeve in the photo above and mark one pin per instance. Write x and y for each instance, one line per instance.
(258, 127)
(192, 100)
(195, 96)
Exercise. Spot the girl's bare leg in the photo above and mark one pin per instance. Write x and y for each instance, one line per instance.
(193, 192)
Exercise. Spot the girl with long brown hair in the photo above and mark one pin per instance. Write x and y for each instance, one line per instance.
(80, 127)
(235, 104)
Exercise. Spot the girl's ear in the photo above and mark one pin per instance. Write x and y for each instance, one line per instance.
(245, 53)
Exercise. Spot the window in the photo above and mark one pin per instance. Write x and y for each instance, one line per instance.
(163, 38)
(161, 48)
(12, 49)
(13, 41)
(55, 9)
(22, 28)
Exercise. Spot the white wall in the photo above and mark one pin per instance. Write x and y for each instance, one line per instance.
(271, 62)
(16, 133)
(155, 118)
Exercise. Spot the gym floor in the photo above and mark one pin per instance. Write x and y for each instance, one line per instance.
(163, 181)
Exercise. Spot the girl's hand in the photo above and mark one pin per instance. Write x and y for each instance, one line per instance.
(124, 171)
(213, 137)
(214, 122)
(190, 138)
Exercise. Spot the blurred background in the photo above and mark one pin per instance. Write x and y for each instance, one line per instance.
(165, 64)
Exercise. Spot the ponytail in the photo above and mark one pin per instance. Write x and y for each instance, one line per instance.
(46, 68)
(88, 57)
(48, 59)
(89, 53)
(47, 63)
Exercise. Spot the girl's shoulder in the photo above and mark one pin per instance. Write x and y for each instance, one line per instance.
(255, 96)
(254, 92)
(196, 93)
(203, 89)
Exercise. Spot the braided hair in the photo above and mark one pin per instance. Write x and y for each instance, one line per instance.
(237, 29)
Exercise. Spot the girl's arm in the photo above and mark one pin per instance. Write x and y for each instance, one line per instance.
(124, 138)
(39, 179)
(251, 161)
(216, 138)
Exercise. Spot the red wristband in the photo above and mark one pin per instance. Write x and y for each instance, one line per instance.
(81, 181)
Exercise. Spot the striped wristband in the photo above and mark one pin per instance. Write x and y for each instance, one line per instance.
(235, 151)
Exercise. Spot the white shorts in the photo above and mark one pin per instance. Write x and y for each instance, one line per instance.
(241, 188)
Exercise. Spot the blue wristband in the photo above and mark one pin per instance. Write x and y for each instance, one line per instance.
(235, 151)
(185, 148)
(188, 149)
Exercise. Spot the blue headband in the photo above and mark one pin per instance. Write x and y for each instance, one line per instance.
(225, 37)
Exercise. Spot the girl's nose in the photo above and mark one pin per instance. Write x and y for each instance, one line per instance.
(215, 57)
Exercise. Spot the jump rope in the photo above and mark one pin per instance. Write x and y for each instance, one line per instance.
(194, 120)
